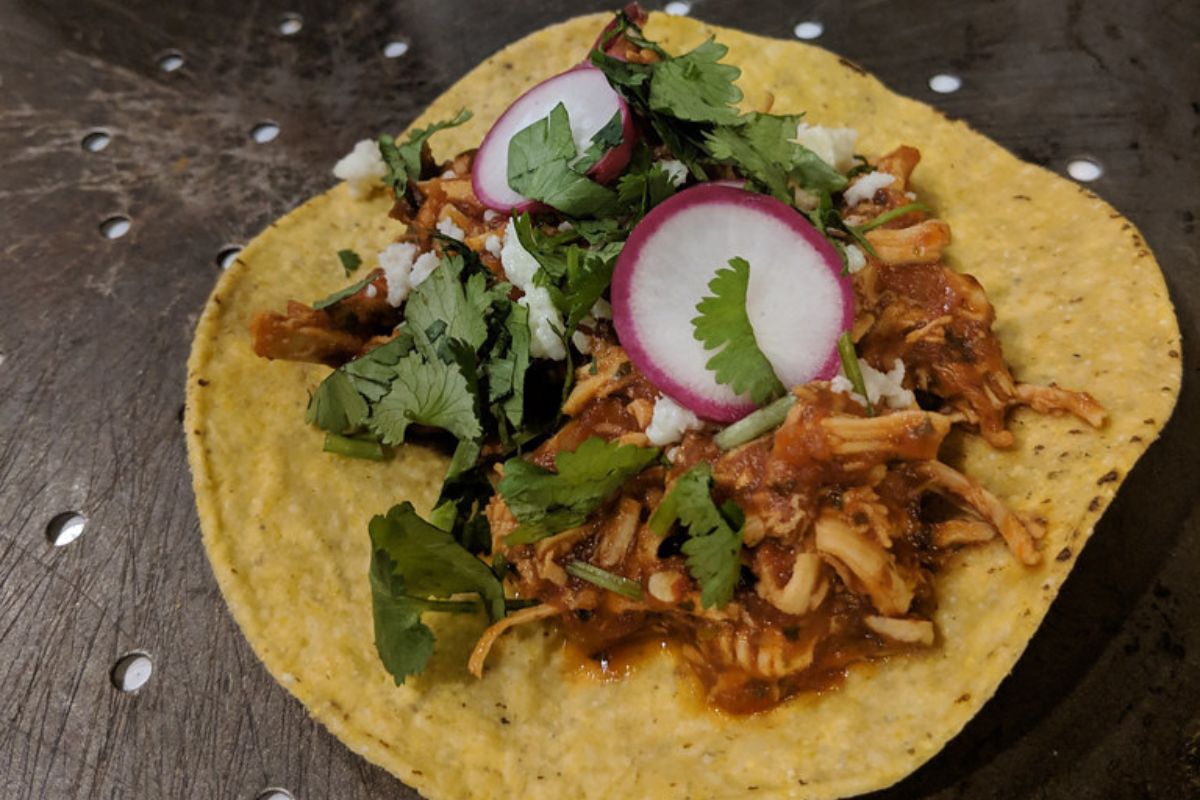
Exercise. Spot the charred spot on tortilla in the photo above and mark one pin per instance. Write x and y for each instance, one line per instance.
(822, 554)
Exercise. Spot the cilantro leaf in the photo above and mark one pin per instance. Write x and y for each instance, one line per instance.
(412, 561)
(714, 547)
(342, 294)
(336, 406)
(761, 146)
(373, 372)
(546, 502)
(724, 325)
(714, 560)
(695, 87)
(350, 261)
(446, 305)
(539, 167)
(642, 191)
(604, 140)
(508, 365)
(546, 250)
(341, 403)
(426, 392)
(403, 161)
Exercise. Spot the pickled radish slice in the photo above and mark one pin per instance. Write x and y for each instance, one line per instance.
(797, 299)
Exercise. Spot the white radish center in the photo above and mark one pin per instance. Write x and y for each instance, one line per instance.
(794, 301)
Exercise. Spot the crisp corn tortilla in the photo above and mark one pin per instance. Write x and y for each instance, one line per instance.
(1079, 298)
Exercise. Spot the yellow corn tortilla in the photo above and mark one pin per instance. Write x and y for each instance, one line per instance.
(1080, 300)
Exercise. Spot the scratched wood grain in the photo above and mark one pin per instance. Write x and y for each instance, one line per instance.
(94, 333)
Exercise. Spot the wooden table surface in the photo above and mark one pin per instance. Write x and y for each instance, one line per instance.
(94, 333)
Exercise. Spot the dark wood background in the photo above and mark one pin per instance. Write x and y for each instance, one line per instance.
(94, 334)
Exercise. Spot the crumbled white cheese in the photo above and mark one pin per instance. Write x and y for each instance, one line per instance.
(855, 259)
(676, 171)
(544, 323)
(449, 175)
(492, 245)
(544, 318)
(446, 227)
(865, 187)
(834, 146)
(600, 310)
(371, 290)
(566, 225)
(425, 264)
(911, 195)
(888, 386)
(396, 261)
(518, 264)
(489, 215)
(669, 422)
(362, 168)
(582, 342)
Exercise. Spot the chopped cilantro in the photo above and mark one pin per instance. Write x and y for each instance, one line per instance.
(643, 190)
(546, 502)
(539, 167)
(761, 147)
(350, 261)
(714, 546)
(724, 325)
(426, 392)
(403, 161)
(336, 406)
(372, 373)
(507, 367)
(604, 140)
(412, 561)
(446, 304)
(342, 294)
(695, 87)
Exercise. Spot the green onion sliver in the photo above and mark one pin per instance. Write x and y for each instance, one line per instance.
(605, 579)
(888, 216)
(850, 367)
(753, 425)
(353, 448)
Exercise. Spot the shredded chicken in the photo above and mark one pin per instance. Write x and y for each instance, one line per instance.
(489, 637)
(1018, 534)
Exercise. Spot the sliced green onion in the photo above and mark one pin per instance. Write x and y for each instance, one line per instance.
(755, 424)
(353, 448)
(853, 372)
(605, 579)
(888, 216)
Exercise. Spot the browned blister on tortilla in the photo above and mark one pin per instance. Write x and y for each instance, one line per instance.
(1079, 301)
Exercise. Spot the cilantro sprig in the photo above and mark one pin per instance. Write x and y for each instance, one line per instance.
(546, 502)
(415, 566)
(724, 325)
(714, 543)
(403, 160)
